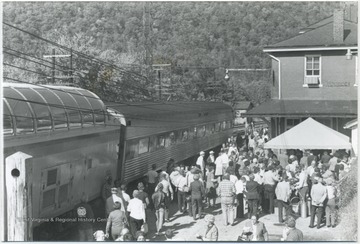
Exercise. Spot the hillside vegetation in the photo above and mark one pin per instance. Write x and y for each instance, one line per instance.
(198, 39)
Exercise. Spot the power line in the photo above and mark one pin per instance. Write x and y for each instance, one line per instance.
(74, 51)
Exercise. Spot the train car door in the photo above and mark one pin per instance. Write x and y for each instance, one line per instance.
(55, 183)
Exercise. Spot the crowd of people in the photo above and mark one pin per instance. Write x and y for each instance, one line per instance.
(244, 178)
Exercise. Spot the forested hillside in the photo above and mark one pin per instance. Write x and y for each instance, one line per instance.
(199, 39)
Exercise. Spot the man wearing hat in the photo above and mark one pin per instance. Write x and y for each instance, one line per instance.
(211, 232)
(197, 193)
(318, 195)
(211, 159)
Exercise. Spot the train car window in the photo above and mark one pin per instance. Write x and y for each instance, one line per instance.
(152, 144)
(223, 125)
(86, 109)
(172, 137)
(228, 124)
(7, 121)
(201, 131)
(51, 177)
(48, 198)
(72, 109)
(132, 149)
(40, 108)
(96, 104)
(21, 110)
(184, 135)
(144, 145)
(160, 141)
(217, 127)
(210, 129)
(58, 112)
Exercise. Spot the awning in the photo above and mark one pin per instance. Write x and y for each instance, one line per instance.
(305, 108)
(310, 134)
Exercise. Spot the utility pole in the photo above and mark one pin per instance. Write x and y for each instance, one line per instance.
(159, 68)
(147, 42)
(53, 57)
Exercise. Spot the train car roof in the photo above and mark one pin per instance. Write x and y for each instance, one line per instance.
(153, 118)
(152, 108)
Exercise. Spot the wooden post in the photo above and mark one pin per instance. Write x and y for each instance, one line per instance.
(18, 198)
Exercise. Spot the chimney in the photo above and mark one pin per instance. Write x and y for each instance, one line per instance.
(338, 29)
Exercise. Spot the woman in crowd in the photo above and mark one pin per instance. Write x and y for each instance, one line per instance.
(159, 204)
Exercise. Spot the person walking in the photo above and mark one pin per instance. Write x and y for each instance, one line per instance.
(152, 178)
(197, 193)
(115, 222)
(270, 179)
(210, 177)
(283, 193)
(158, 199)
(136, 212)
(200, 162)
(330, 205)
(85, 215)
(318, 195)
(109, 207)
(211, 232)
(218, 167)
(239, 187)
(252, 195)
(227, 198)
(169, 194)
(182, 191)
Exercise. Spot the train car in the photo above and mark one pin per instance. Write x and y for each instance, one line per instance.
(156, 132)
(60, 143)
(66, 143)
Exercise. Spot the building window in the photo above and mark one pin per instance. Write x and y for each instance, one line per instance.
(291, 123)
(312, 71)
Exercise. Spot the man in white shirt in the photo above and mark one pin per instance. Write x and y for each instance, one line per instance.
(283, 193)
(239, 189)
(270, 180)
(200, 162)
(125, 195)
(136, 211)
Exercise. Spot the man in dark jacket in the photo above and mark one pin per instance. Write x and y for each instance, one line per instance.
(252, 195)
(197, 193)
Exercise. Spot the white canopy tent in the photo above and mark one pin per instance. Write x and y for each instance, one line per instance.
(310, 134)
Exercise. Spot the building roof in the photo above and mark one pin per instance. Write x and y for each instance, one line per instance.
(306, 136)
(242, 105)
(305, 108)
(319, 35)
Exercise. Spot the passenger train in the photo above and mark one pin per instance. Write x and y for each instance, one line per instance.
(72, 140)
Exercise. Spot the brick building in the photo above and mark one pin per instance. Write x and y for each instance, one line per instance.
(314, 75)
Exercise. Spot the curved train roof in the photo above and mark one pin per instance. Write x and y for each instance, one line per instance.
(30, 108)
